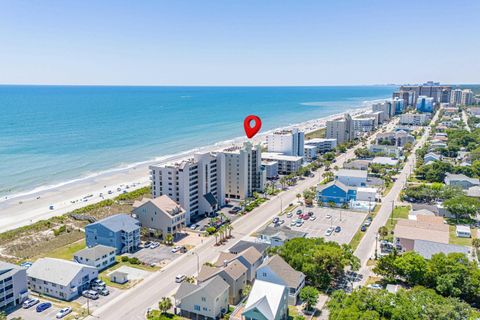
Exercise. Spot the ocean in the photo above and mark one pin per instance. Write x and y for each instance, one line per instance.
(52, 134)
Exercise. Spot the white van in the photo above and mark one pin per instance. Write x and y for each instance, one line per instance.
(180, 278)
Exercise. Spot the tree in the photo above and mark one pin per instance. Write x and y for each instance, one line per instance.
(310, 296)
(383, 232)
(462, 206)
(283, 181)
(246, 290)
(164, 305)
(168, 238)
(329, 156)
(322, 262)
(298, 196)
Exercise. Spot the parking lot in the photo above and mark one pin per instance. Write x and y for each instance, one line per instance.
(160, 255)
(349, 221)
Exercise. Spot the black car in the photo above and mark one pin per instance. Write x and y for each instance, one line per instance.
(338, 229)
(363, 228)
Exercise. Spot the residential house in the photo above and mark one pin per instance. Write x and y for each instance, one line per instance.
(474, 192)
(61, 279)
(234, 273)
(100, 256)
(385, 161)
(336, 192)
(352, 178)
(390, 151)
(267, 301)
(431, 157)
(428, 248)
(119, 231)
(406, 232)
(251, 258)
(359, 164)
(13, 285)
(161, 215)
(366, 194)
(206, 300)
(243, 245)
(461, 181)
(395, 138)
(277, 236)
(276, 270)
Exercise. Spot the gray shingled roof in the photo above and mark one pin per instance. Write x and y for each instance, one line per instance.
(58, 271)
(95, 253)
(428, 248)
(119, 222)
(211, 288)
(291, 276)
(284, 233)
(242, 245)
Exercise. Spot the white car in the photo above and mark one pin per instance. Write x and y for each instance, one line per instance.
(30, 303)
(313, 218)
(154, 245)
(329, 231)
(375, 286)
(98, 282)
(193, 226)
(176, 249)
(63, 312)
(180, 278)
(328, 216)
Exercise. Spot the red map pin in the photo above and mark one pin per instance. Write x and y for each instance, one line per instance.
(247, 124)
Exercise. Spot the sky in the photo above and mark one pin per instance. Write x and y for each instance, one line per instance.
(239, 42)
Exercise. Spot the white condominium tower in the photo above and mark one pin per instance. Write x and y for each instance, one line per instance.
(341, 129)
(467, 97)
(196, 184)
(456, 97)
(244, 173)
(288, 142)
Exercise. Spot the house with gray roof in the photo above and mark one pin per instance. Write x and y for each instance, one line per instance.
(358, 164)
(61, 279)
(461, 181)
(13, 285)
(206, 300)
(100, 256)
(277, 236)
(267, 300)
(119, 231)
(234, 273)
(276, 270)
(243, 245)
(428, 248)
(250, 258)
(351, 177)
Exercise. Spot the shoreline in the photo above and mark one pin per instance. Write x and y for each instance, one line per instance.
(31, 206)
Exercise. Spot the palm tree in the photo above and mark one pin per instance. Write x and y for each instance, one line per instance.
(216, 237)
(168, 238)
(283, 182)
(298, 196)
(164, 305)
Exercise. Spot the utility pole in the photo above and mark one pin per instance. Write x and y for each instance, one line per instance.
(391, 214)
(198, 261)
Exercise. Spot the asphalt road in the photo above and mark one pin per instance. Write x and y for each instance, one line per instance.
(133, 303)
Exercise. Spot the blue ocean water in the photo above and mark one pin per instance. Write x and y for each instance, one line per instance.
(50, 134)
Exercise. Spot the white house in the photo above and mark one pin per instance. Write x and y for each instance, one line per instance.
(100, 256)
(276, 270)
(268, 301)
(61, 279)
(351, 177)
(366, 194)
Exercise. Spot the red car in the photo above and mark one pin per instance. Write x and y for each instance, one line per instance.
(306, 217)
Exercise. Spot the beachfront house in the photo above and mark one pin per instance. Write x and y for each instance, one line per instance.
(161, 215)
(61, 279)
(119, 231)
(276, 270)
(100, 256)
(267, 301)
(13, 285)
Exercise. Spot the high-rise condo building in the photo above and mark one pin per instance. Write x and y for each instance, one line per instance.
(288, 142)
(196, 184)
(340, 129)
(244, 173)
(467, 97)
(386, 107)
(425, 104)
(456, 97)
(398, 105)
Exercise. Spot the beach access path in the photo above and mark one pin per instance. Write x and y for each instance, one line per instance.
(133, 303)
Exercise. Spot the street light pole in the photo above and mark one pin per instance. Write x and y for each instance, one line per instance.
(376, 246)
(198, 261)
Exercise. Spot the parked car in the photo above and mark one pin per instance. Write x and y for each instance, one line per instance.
(98, 282)
(329, 231)
(328, 216)
(338, 229)
(310, 213)
(180, 278)
(289, 215)
(299, 211)
(299, 223)
(293, 223)
(363, 228)
(90, 294)
(104, 292)
(280, 222)
(97, 287)
(154, 245)
(63, 312)
(194, 226)
(368, 221)
(30, 302)
(306, 217)
(147, 244)
(26, 264)
(313, 218)
(375, 286)
(276, 219)
(43, 306)
(176, 249)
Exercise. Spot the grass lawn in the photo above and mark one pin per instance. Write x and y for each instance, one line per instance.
(67, 251)
(292, 312)
(104, 274)
(461, 241)
(320, 133)
(401, 212)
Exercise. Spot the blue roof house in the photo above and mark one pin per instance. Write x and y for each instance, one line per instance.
(119, 231)
(336, 192)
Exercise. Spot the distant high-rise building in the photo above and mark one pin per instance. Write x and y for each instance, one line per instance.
(456, 97)
(288, 142)
(407, 97)
(244, 173)
(386, 107)
(429, 89)
(364, 123)
(398, 105)
(467, 97)
(425, 104)
(340, 129)
(196, 184)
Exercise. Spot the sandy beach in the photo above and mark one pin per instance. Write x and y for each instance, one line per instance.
(23, 209)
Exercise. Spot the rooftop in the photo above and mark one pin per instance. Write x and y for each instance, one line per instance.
(118, 222)
(352, 173)
(385, 161)
(164, 203)
(96, 252)
(418, 230)
(57, 271)
(266, 297)
(291, 276)
(428, 248)
(279, 156)
(211, 288)
(284, 233)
